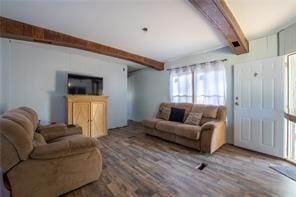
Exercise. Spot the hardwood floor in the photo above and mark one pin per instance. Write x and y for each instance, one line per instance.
(135, 164)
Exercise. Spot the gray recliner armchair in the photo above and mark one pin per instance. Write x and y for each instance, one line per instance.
(45, 160)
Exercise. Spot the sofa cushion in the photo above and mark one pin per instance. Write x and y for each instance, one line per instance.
(177, 115)
(162, 105)
(193, 118)
(38, 139)
(18, 134)
(167, 126)
(186, 106)
(209, 111)
(21, 120)
(30, 114)
(169, 105)
(188, 131)
(205, 120)
(18, 126)
(63, 148)
(8, 154)
(65, 138)
(150, 122)
(164, 113)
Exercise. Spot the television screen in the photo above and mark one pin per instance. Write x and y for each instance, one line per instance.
(85, 85)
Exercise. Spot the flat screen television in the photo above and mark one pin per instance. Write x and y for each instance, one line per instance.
(84, 85)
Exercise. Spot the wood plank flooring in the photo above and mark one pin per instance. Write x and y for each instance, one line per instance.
(135, 164)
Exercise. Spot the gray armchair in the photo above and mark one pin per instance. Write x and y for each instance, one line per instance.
(46, 160)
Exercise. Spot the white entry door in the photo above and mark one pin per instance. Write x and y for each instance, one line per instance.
(259, 106)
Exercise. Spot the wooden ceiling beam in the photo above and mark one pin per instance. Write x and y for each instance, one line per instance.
(219, 14)
(22, 31)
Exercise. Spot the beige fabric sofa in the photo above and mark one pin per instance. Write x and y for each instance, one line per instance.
(206, 137)
(46, 160)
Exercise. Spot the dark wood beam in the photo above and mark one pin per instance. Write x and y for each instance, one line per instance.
(22, 31)
(219, 14)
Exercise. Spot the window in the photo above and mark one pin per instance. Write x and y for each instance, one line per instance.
(203, 83)
(209, 83)
(181, 85)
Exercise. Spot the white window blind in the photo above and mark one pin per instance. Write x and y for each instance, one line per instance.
(209, 83)
(202, 83)
(181, 85)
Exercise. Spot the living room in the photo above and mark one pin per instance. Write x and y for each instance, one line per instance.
(148, 98)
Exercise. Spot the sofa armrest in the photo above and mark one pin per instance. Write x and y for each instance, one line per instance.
(50, 132)
(65, 148)
(213, 136)
(212, 125)
(52, 126)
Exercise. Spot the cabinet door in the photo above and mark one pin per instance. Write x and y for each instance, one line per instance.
(81, 116)
(98, 119)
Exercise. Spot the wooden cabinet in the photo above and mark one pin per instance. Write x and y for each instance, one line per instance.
(89, 112)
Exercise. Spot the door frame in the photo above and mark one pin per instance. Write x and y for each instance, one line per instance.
(287, 88)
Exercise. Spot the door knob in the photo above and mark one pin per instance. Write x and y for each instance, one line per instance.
(236, 103)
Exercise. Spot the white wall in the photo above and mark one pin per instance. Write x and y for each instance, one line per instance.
(130, 97)
(1, 81)
(3, 77)
(287, 40)
(152, 87)
(37, 76)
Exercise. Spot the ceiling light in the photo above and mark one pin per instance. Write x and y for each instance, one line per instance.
(145, 29)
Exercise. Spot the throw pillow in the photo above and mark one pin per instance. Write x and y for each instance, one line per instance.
(164, 113)
(177, 114)
(193, 118)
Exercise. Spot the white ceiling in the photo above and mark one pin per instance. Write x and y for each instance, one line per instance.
(176, 29)
(258, 18)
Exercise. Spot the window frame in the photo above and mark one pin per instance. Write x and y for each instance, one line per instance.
(290, 125)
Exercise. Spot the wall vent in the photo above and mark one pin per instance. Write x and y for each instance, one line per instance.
(235, 44)
(201, 166)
